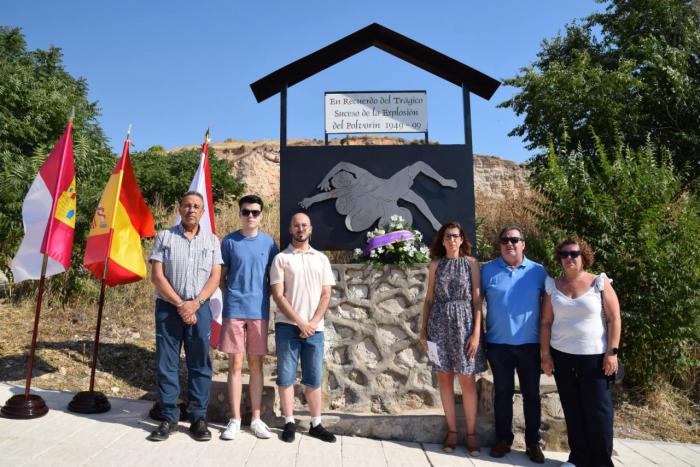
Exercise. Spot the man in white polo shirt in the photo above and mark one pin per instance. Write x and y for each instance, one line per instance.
(300, 282)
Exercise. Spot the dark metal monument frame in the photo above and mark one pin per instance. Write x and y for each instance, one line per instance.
(301, 167)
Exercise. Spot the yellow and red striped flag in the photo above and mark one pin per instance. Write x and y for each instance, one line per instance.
(121, 220)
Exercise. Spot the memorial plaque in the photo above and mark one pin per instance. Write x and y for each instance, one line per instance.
(376, 112)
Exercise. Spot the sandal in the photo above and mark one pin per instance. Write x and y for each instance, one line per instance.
(473, 445)
(446, 445)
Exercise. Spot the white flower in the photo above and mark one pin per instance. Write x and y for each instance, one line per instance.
(357, 251)
(370, 235)
(373, 254)
(394, 217)
(380, 250)
(379, 232)
(411, 253)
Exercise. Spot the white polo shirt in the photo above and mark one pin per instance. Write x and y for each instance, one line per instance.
(303, 274)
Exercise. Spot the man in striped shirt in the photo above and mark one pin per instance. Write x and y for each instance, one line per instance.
(185, 271)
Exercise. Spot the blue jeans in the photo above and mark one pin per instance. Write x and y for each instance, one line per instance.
(504, 360)
(585, 396)
(290, 346)
(171, 332)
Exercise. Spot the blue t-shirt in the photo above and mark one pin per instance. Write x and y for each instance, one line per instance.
(513, 299)
(248, 260)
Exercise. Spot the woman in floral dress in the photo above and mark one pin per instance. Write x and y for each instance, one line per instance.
(452, 320)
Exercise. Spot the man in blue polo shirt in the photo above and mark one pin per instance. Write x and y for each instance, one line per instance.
(247, 255)
(512, 286)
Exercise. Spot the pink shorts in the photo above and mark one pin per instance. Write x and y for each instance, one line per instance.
(244, 336)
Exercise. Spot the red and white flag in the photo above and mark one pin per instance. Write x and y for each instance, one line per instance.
(201, 183)
(48, 215)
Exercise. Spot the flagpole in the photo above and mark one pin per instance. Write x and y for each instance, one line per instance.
(92, 401)
(35, 333)
(30, 405)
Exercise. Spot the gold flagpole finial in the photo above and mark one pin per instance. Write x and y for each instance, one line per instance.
(207, 140)
(128, 133)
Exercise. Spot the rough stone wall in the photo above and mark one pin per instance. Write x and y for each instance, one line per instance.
(373, 359)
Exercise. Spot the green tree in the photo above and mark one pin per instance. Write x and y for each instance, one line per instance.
(644, 229)
(634, 68)
(36, 97)
(164, 177)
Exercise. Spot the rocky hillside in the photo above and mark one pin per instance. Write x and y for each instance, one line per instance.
(257, 164)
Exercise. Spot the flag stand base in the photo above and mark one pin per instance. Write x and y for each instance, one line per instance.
(19, 407)
(89, 402)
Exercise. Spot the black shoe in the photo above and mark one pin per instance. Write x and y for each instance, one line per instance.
(321, 433)
(163, 431)
(288, 432)
(199, 430)
(534, 452)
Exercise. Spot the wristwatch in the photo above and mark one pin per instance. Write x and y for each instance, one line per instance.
(203, 301)
(614, 350)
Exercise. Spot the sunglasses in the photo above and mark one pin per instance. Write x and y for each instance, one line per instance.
(248, 212)
(513, 240)
(572, 254)
(452, 236)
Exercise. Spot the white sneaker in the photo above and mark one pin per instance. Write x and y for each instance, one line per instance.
(260, 429)
(232, 429)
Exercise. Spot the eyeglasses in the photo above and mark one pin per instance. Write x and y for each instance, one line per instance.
(191, 207)
(452, 236)
(513, 240)
(248, 212)
(572, 254)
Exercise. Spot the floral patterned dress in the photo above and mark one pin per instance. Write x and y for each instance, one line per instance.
(451, 318)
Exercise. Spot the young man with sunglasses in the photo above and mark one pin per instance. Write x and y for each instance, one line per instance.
(247, 255)
(512, 286)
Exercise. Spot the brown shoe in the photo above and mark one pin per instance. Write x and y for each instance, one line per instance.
(473, 445)
(499, 449)
(534, 452)
(450, 443)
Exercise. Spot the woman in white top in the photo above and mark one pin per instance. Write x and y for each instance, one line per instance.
(579, 337)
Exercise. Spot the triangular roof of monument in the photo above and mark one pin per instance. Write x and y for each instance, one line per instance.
(387, 40)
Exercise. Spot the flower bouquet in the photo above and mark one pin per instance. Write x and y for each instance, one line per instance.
(394, 243)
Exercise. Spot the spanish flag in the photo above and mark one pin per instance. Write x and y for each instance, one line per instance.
(48, 214)
(121, 220)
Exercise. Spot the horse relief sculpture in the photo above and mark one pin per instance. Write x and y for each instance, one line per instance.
(364, 198)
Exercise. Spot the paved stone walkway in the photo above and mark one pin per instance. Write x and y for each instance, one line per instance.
(118, 438)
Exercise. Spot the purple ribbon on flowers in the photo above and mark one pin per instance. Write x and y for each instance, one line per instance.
(386, 239)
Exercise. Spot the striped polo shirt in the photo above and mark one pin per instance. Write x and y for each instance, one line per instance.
(187, 264)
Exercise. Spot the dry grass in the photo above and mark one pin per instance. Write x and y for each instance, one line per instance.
(667, 414)
(495, 213)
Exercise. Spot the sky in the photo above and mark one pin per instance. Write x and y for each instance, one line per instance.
(172, 68)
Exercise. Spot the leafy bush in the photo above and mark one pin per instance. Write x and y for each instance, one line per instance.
(644, 228)
(164, 177)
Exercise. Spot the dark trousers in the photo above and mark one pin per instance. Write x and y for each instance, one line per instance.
(585, 396)
(504, 361)
(171, 331)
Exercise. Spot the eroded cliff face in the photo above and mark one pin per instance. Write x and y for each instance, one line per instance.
(257, 164)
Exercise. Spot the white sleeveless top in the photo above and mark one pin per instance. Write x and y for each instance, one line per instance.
(579, 323)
